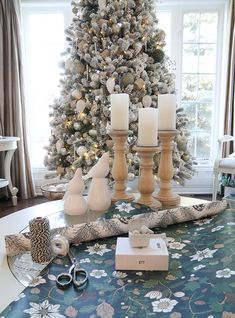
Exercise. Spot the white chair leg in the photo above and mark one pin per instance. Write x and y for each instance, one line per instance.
(215, 186)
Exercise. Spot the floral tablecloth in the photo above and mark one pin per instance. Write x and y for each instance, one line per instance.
(199, 283)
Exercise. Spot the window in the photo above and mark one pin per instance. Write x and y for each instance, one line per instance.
(196, 34)
(43, 28)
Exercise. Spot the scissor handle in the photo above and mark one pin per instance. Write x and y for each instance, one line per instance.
(64, 280)
(78, 272)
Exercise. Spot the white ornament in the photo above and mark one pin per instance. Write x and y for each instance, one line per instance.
(77, 126)
(77, 94)
(51, 188)
(80, 106)
(102, 4)
(61, 187)
(59, 145)
(110, 84)
(63, 151)
(147, 101)
(74, 202)
(81, 150)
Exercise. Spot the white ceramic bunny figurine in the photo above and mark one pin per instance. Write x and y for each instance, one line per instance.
(74, 202)
(99, 196)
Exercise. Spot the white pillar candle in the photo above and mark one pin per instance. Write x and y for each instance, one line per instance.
(147, 127)
(167, 112)
(119, 111)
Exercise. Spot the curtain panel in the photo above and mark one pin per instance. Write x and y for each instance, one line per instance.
(229, 125)
(12, 104)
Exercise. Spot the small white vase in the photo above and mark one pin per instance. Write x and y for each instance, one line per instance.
(99, 195)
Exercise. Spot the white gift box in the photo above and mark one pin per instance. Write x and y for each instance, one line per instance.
(155, 256)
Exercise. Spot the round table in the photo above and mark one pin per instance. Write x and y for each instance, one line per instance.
(10, 287)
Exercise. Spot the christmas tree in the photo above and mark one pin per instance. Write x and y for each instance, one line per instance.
(115, 46)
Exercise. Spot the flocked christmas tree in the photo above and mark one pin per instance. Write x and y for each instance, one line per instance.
(115, 46)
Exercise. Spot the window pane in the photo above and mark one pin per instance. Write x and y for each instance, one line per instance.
(190, 111)
(206, 88)
(204, 120)
(198, 75)
(191, 27)
(190, 58)
(207, 55)
(164, 23)
(44, 44)
(189, 87)
(208, 27)
(203, 145)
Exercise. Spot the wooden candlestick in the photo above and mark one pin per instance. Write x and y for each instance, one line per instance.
(146, 179)
(119, 169)
(166, 169)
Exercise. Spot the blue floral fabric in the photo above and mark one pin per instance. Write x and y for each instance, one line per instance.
(200, 281)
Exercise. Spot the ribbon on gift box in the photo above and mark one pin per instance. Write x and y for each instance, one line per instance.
(19, 243)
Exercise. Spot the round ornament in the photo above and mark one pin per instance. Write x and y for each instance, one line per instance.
(147, 101)
(93, 132)
(158, 55)
(77, 126)
(80, 106)
(110, 84)
(63, 151)
(81, 150)
(127, 79)
(131, 176)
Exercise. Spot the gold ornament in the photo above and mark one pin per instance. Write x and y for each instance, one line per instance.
(140, 83)
(128, 79)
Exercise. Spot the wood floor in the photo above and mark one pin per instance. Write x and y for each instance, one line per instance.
(6, 207)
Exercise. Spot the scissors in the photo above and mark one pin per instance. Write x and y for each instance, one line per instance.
(65, 279)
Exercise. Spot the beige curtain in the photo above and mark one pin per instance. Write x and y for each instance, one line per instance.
(229, 126)
(12, 105)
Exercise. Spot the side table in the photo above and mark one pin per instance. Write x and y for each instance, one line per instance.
(8, 145)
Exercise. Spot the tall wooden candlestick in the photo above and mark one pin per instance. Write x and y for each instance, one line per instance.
(119, 169)
(166, 169)
(146, 179)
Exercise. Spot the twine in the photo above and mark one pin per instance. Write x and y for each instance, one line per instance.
(40, 240)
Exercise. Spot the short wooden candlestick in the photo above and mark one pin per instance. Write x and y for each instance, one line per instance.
(119, 169)
(166, 169)
(146, 179)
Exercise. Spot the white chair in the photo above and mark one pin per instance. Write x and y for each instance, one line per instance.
(222, 165)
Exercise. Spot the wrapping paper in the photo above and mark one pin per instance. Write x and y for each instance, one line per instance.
(117, 225)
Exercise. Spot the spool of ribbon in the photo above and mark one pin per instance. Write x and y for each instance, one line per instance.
(40, 240)
(59, 245)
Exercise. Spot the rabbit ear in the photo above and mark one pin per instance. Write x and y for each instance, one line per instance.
(78, 173)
